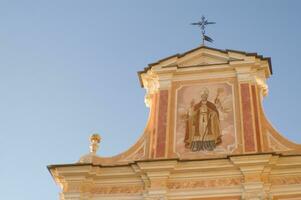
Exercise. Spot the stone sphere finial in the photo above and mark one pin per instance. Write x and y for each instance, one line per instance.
(94, 142)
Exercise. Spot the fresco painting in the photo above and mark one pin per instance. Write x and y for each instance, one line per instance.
(205, 119)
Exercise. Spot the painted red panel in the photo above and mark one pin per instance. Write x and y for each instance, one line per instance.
(256, 116)
(247, 118)
(162, 123)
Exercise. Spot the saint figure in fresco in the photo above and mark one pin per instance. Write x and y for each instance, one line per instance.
(202, 124)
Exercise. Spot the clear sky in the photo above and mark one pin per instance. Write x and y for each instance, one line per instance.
(68, 69)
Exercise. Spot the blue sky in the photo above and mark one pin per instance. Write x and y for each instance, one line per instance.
(68, 69)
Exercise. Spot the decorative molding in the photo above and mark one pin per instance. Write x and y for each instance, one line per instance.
(264, 88)
(139, 154)
(275, 145)
(205, 183)
(151, 85)
(286, 180)
(118, 189)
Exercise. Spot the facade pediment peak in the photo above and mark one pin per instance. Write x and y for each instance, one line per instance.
(209, 51)
(203, 55)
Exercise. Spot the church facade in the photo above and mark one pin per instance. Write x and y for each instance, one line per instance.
(207, 137)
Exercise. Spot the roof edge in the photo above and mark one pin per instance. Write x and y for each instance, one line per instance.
(179, 55)
(170, 159)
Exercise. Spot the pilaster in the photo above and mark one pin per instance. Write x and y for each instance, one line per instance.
(255, 170)
(155, 177)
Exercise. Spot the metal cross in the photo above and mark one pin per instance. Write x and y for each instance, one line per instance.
(202, 24)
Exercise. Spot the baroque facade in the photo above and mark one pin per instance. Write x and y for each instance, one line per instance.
(207, 137)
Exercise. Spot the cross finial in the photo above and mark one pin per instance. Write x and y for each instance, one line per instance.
(202, 24)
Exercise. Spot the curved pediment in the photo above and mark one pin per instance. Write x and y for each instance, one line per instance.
(204, 103)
